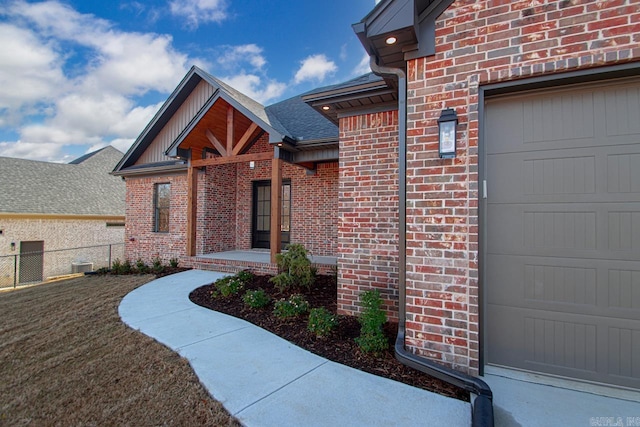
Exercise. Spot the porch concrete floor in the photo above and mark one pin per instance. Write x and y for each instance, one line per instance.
(262, 256)
(524, 399)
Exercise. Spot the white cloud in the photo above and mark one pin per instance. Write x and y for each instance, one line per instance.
(30, 72)
(255, 87)
(234, 56)
(197, 12)
(363, 66)
(31, 150)
(315, 68)
(52, 98)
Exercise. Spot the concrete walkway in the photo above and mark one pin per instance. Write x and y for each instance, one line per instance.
(264, 380)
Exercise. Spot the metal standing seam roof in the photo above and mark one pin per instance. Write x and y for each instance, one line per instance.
(81, 187)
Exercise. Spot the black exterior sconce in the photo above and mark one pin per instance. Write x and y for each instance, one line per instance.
(447, 133)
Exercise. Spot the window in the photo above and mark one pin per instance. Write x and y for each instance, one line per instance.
(161, 208)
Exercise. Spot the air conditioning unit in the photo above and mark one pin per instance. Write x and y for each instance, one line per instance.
(81, 267)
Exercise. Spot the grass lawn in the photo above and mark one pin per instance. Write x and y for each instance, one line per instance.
(67, 359)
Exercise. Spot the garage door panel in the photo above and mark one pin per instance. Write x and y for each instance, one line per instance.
(565, 285)
(600, 174)
(562, 232)
(567, 345)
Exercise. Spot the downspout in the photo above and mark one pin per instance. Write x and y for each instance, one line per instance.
(482, 407)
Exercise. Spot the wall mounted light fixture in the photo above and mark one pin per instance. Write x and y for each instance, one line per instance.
(447, 124)
(13, 246)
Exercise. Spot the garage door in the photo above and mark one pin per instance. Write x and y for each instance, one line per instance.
(562, 254)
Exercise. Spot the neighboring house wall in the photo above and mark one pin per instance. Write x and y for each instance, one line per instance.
(368, 194)
(60, 233)
(479, 43)
(225, 209)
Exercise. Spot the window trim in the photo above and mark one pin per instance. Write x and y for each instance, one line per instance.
(157, 208)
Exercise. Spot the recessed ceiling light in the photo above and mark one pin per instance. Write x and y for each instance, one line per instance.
(326, 107)
(391, 40)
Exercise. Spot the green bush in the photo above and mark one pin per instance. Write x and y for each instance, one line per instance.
(173, 262)
(294, 306)
(157, 265)
(322, 322)
(118, 267)
(141, 267)
(372, 338)
(227, 286)
(295, 269)
(245, 276)
(256, 299)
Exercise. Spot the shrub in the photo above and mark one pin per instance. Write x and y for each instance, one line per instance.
(322, 322)
(256, 299)
(245, 276)
(141, 267)
(294, 306)
(173, 262)
(116, 266)
(227, 286)
(295, 269)
(157, 265)
(372, 338)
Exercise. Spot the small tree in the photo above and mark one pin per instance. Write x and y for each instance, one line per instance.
(372, 338)
(295, 269)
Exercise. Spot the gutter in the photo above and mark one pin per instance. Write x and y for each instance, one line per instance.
(481, 395)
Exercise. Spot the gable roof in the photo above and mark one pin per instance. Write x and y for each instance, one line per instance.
(81, 187)
(288, 121)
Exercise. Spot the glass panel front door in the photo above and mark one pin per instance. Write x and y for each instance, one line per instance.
(261, 228)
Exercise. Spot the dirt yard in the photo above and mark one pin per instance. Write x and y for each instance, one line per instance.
(67, 359)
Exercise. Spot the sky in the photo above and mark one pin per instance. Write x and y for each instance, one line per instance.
(78, 75)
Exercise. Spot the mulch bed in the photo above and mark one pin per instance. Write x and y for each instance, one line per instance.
(339, 346)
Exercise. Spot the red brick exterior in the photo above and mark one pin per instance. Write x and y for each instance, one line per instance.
(140, 240)
(224, 209)
(478, 43)
(368, 230)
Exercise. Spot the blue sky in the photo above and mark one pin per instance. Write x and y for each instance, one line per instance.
(77, 75)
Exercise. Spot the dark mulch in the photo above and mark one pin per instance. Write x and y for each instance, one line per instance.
(339, 346)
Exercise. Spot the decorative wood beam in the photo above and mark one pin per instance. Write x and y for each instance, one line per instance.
(244, 140)
(276, 208)
(243, 158)
(212, 139)
(192, 204)
(229, 130)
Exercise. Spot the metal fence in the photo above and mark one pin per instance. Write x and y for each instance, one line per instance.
(34, 267)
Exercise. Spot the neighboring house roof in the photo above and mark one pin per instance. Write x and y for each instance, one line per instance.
(81, 187)
(290, 120)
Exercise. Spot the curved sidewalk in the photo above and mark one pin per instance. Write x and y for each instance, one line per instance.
(264, 380)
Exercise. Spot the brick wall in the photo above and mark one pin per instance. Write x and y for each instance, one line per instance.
(481, 42)
(368, 194)
(216, 224)
(140, 239)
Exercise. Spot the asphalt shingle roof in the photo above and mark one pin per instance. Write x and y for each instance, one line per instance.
(301, 120)
(82, 187)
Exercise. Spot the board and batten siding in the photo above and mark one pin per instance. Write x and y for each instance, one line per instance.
(178, 122)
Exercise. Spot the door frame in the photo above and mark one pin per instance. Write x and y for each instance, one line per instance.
(286, 235)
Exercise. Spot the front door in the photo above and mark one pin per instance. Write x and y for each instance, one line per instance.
(31, 261)
(261, 227)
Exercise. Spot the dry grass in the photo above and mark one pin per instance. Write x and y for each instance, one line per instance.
(67, 359)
